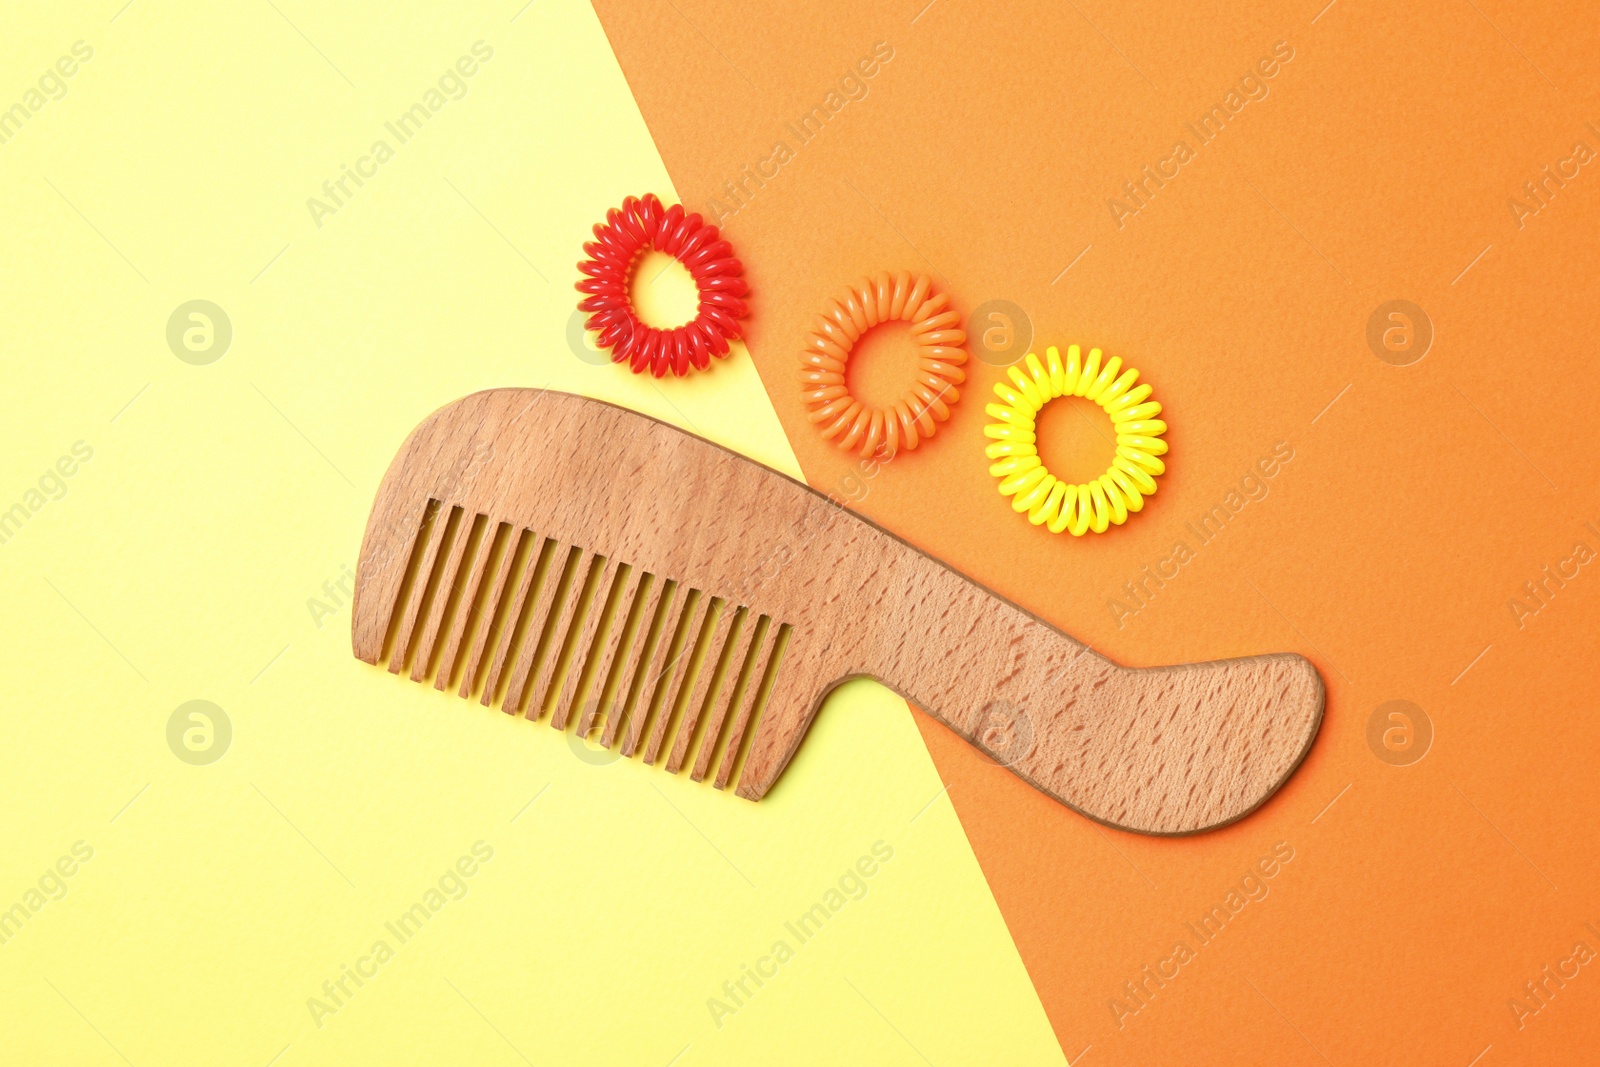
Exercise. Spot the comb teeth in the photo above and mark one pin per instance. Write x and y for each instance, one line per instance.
(538, 625)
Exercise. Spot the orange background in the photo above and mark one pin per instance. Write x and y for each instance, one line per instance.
(1380, 166)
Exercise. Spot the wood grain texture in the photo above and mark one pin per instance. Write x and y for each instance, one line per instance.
(1165, 750)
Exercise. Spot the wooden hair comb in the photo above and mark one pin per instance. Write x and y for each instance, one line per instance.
(567, 556)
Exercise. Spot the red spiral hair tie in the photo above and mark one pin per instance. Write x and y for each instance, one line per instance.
(639, 226)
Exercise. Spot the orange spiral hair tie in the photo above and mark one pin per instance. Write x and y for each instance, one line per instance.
(916, 415)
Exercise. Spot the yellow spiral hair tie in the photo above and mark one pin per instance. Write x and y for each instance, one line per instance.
(1108, 499)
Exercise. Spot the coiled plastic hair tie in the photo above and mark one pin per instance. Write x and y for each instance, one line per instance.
(635, 228)
(1108, 499)
(916, 415)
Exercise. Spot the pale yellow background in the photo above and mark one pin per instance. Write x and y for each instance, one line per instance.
(220, 498)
